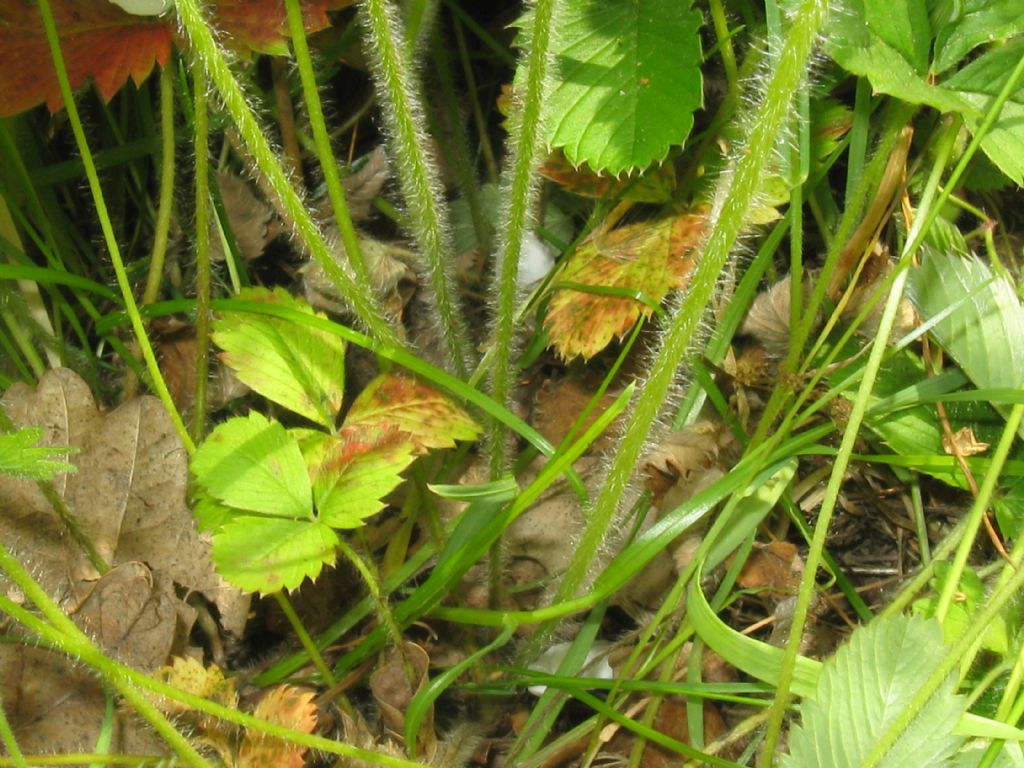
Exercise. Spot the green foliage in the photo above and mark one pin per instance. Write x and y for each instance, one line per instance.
(628, 80)
(298, 367)
(960, 617)
(20, 456)
(889, 43)
(980, 321)
(274, 498)
(866, 688)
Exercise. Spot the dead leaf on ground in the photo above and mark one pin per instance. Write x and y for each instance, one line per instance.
(671, 721)
(558, 403)
(129, 499)
(648, 259)
(393, 691)
(776, 566)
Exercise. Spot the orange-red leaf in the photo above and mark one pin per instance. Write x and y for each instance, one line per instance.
(98, 39)
(262, 25)
(104, 44)
(429, 418)
(287, 706)
(648, 258)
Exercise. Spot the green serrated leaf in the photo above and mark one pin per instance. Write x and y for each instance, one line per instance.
(298, 367)
(252, 463)
(265, 555)
(866, 687)
(975, 23)
(20, 457)
(429, 418)
(984, 332)
(362, 467)
(860, 41)
(977, 84)
(628, 83)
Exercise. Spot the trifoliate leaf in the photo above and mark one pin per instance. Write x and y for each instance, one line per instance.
(639, 262)
(20, 456)
(866, 687)
(426, 416)
(978, 84)
(296, 366)
(360, 469)
(252, 463)
(628, 81)
(974, 23)
(266, 555)
(887, 43)
(983, 324)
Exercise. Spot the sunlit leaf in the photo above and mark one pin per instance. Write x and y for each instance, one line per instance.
(265, 555)
(362, 467)
(628, 81)
(866, 687)
(296, 366)
(252, 463)
(21, 457)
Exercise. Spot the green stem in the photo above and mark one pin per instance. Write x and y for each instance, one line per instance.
(363, 302)
(9, 741)
(163, 211)
(131, 308)
(61, 632)
(307, 642)
(322, 141)
(737, 192)
(418, 176)
(843, 457)
(384, 614)
(203, 271)
(518, 198)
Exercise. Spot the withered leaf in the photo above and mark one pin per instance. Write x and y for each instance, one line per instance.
(647, 260)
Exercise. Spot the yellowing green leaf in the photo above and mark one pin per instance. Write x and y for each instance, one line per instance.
(298, 367)
(266, 554)
(360, 469)
(644, 261)
(252, 463)
(429, 418)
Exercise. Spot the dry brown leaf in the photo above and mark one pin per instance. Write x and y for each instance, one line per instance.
(57, 706)
(393, 691)
(133, 617)
(775, 566)
(362, 186)
(128, 494)
(253, 222)
(283, 705)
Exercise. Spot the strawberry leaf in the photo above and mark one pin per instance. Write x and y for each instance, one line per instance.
(628, 83)
(265, 555)
(99, 41)
(429, 418)
(252, 463)
(647, 259)
(360, 469)
(298, 367)
(262, 25)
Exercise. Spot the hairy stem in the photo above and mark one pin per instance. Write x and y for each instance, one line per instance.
(324, 153)
(737, 192)
(518, 196)
(417, 174)
(363, 302)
